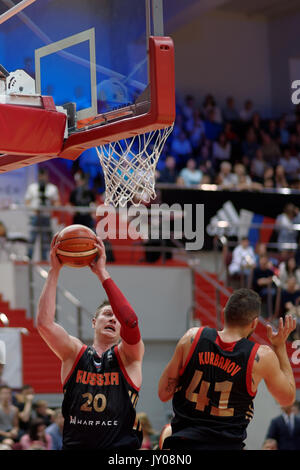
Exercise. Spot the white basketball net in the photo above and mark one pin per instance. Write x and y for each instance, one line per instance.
(129, 167)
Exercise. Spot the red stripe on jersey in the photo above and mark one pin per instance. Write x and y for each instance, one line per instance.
(124, 370)
(192, 349)
(249, 369)
(75, 363)
(223, 345)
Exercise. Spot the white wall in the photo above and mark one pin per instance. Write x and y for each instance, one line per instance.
(223, 53)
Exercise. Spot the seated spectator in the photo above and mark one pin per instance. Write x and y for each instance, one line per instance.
(268, 177)
(169, 173)
(273, 130)
(243, 259)
(262, 280)
(190, 175)
(242, 180)
(189, 107)
(261, 249)
(225, 178)
(212, 128)
(181, 148)
(221, 149)
(178, 126)
(290, 297)
(42, 411)
(230, 114)
(23, 400)
(280, 179)
(205, 160)
(258, 167)
(284, 225)
(247, 111)
(55, 430)
(209, 105)
(250, 145)
(270, 149)
(288, 268)
(230, 135)
(196, 133)
(36, 438)
(284, 134)
(9, 423)
(294, 145)
(290, 164)
(256, 126)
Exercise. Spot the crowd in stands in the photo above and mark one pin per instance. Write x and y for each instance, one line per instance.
(27, 423)
(231, 148)
(275, 276)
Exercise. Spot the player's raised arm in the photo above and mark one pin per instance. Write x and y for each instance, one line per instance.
(131, 345)
(66, 347)
(274, 364)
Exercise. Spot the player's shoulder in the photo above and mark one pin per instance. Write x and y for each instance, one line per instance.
(265, 355)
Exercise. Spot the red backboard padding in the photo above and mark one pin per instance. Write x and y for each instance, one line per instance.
(31, 131)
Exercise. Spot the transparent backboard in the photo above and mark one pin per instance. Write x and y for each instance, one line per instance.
(91, 56)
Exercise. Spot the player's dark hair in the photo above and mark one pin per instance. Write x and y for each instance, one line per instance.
(105, 303)
(242, 307)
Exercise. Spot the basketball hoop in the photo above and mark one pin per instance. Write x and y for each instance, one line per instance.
(129, 167)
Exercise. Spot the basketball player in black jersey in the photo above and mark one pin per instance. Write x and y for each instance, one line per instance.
(100, 383)
(213, 377)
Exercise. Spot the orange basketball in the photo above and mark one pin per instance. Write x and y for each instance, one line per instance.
(76, 246)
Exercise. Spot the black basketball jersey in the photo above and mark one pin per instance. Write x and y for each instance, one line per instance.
(213, 402)
(99, 403)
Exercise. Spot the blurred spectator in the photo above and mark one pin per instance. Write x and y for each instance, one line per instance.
(225, 178)
(243, 259)
(55, 429)
(209, 105)
(256, 126)
(229, 112)
(242, 179)
(169, 173)
(288, 268)
(9, 425)
(284, 134)
(294, 145)
(270, 150)
(290, 297)
(285, 429)
(23, 400)
(258, 167)
(212, 128)
(262, 281)
(284, 225)
(36, 437)
(149, 435)
(261, 249)
(40, 195)
(181, 148)
(189, 106)
(247, 111)
(196, 133)
(270, 444)
(280, 179)
(42, 411)
(190, 175)
(83, 196)
(290, 164)
(221, 149)
(273, 130)
(250, 144)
